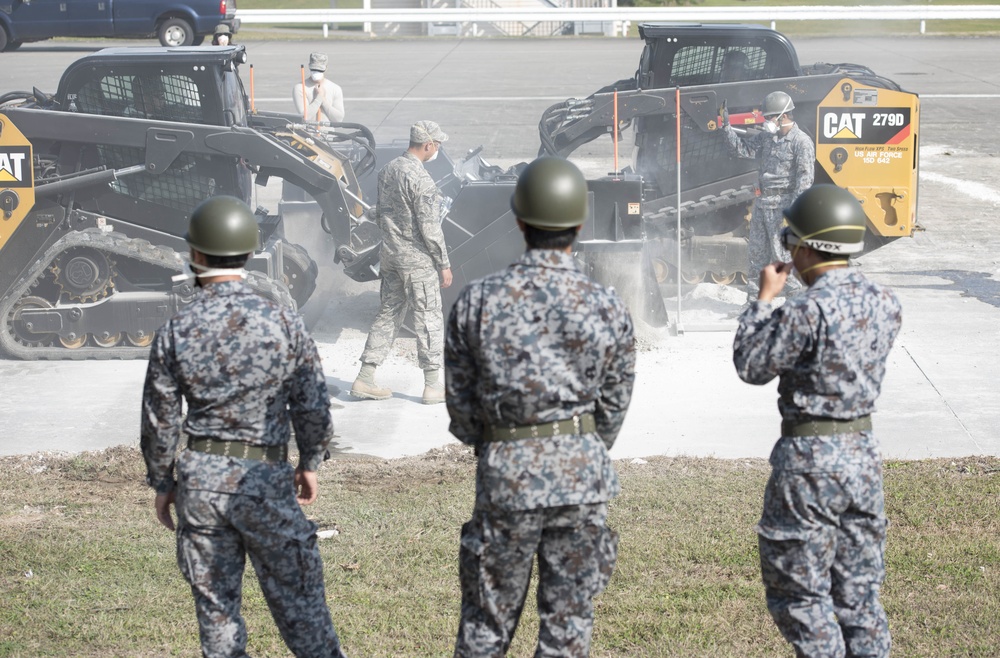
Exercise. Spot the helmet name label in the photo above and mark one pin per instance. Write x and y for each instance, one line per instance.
(830, 247)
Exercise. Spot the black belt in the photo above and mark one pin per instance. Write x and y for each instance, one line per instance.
(239, 449)
(825, 426)
(582, 424)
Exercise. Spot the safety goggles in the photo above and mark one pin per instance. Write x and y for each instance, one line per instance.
(788, 239)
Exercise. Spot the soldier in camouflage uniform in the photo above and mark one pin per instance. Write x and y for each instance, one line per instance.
(822, 532)
(245, 366)
(539, 363)
(786, 166)
(413, 265)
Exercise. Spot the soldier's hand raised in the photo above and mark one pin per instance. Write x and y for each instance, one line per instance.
(772, 280)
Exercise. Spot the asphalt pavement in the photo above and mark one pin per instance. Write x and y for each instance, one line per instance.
(939, 397)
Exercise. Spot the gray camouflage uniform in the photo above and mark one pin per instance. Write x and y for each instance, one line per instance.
(822, 532)
(785, 167)
(246, 367)
(537, 343)
(413, 253)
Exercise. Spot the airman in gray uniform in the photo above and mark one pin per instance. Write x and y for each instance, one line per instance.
(413, 265)
(786, 161)
(823, 529)
(246, 367)
(539, 364)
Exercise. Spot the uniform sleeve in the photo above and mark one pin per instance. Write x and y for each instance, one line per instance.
(805, 165)
(297, 98)
(333, 108)
(619, 377)
(160, 426)
(309, 400)
(461, 376)
(743, 147)
(427, 215)
(769, 342)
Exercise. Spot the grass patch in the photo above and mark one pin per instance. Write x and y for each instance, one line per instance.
(86, 570)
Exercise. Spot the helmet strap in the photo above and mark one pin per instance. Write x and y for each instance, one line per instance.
(824, 263)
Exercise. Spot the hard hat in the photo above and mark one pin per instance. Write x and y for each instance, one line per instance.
(777, 103)
(222, 28)
(551, 193)
(222, 226)
(827, 218)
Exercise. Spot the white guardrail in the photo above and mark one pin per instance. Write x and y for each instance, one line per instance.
(368, 15)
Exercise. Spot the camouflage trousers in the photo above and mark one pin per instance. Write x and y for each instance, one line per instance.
(215, 533)
(822, 545)
(764, 244)
(420, 291)
(576, 557)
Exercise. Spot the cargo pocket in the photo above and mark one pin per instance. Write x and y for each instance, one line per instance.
(288, 561)
(471, 574)
(605, 557)
(183, 560)
(420, 294)
(310, 572)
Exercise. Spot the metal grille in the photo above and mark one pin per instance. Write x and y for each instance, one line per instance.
(704, 65)
(181, 187)
(160, 96)
(704, 156)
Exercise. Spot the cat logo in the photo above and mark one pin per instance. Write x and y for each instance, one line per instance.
(863, 125)
(17, 179)
(844, 125)
(15, 166)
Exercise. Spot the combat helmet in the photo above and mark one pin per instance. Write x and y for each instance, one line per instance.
(777, 103)
(826, 218)
(551, 194)
(222, 226)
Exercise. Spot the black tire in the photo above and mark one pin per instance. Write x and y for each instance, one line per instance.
(3, 38)
(198, 40)
(175, 32)
(13, 45)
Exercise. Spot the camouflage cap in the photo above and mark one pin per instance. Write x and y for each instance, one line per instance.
(222, 28)
(426, 131)
(317, 61)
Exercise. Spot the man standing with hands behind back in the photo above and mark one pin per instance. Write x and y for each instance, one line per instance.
(320, 99)
(540, 363)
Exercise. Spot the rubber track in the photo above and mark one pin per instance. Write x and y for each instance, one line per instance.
(703, 206)
(120, 245)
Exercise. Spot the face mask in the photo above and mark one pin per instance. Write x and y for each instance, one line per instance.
(433, 157)
(798, 275)
(316, 76)
(770, 126)
(223, 40)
